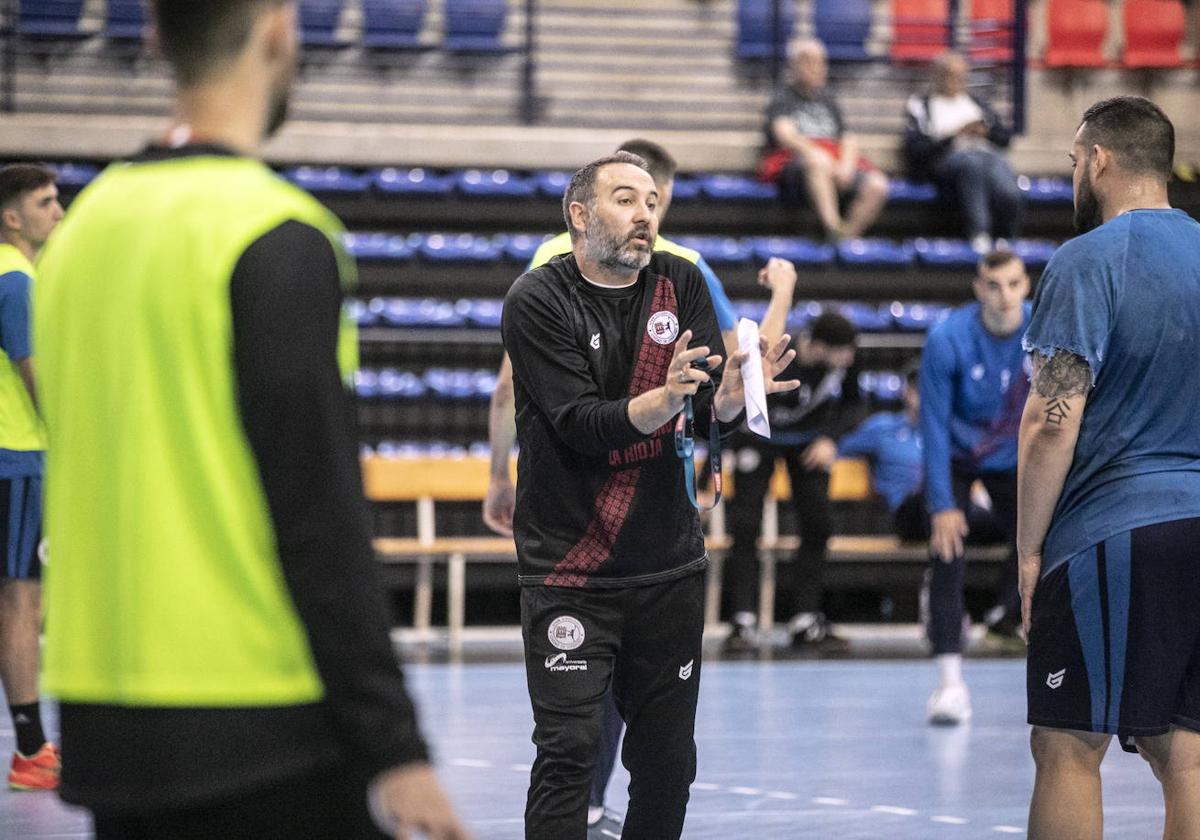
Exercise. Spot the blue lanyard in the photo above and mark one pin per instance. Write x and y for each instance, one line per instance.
(685, 447)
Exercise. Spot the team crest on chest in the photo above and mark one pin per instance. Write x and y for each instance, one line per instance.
(663, 327)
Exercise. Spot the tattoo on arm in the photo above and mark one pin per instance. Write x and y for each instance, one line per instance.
(1059, 378)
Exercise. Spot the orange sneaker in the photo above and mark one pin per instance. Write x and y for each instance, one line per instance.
(39, 771)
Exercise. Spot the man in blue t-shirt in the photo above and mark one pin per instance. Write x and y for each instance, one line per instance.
(29, 211)
(973, 385)
(1109, 535)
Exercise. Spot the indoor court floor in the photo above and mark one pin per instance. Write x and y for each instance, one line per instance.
(829, 749)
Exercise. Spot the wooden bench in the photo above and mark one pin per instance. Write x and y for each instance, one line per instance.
(427, 481)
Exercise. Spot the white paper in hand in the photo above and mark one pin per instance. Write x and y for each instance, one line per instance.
(752, 379)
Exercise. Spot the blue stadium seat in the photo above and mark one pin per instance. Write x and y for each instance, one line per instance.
(366, 383)
(866, 317)
(843, 26)
(356, 310)
(495, 182)
(392, 24)
(685, 189)
(452, 384)
(883, 384)
(719, 250)
(125, 20)
(552, 184)
(474, 25)
(755, 28)
(945, 253)
(880, 253)
(328, 179)
(416, 181)
(379, 247)
(400, 385)
(911, 191)
(1045, 189)
(480, 312)
(737, 188)
(919, 317)
(1035, 252)
(400, 449)
(752, 309)
(319, 23)
(74, 175)
(50, 18)
(803, 314)
(421, 312)
(461, 247)
(520, 247)
(441, 449)
(799, 251)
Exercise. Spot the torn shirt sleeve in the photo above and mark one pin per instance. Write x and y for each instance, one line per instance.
(1073, 311)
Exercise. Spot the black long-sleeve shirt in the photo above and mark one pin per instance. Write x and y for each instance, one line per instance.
(828, 403)
(599, 503)
(286, 301)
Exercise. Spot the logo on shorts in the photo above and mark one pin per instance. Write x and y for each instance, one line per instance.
(663, 327)
(685, 671)
(977, 372)
(1056, 679)
(566, 633)
(559, 663)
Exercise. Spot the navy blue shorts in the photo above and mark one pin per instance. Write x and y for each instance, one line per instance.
(21, 527)
(1114, 644)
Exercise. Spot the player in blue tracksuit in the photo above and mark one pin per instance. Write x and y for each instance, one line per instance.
(974, 380)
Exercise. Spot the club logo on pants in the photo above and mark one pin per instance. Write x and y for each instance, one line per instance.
(685, 671)
(1056, 679)
(566, 632)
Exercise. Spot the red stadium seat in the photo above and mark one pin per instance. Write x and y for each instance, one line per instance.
(1154, 30)
(1076, 30)
(991, 30)
(920, 29)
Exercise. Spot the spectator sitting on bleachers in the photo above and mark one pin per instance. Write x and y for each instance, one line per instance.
(810, 154)
(957, 140)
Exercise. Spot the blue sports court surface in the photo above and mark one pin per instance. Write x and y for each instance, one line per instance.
(787, 749)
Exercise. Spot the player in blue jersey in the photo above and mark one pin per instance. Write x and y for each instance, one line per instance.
(974, 379)
(1109, 533)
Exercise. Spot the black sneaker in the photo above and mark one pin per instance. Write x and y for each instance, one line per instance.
(608, 828)
(741, 639)
(810, 630)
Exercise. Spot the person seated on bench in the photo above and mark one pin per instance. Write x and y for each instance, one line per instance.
(804, 425)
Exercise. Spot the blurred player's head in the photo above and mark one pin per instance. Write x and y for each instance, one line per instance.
(217, 40)
(831, 342)
(950, 74)
(662, 169)
(1124, 145)
(610, 208)
(1001, 286)
(29, 207)
(806, 58)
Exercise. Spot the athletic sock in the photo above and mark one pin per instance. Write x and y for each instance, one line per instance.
(745, 619)
(27, 721)
(595, 812)
(949, 668)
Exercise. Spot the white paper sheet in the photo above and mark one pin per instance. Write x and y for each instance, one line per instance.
(752, 379)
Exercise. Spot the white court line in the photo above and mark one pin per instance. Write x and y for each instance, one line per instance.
(470, 762)
(892, 809)
(746, 791)
(829, 800)
(1007, 829)
(779, 794)
(950, 820)
(521, 768)
(705, 786)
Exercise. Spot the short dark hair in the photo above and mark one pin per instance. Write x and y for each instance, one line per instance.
(20, 179)
(1135, 130)
(583, 183)
(196, 37)
(833, 330)
(659, 162)
(995, 258)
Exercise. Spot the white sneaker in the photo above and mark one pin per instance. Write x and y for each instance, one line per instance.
(949, 705)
